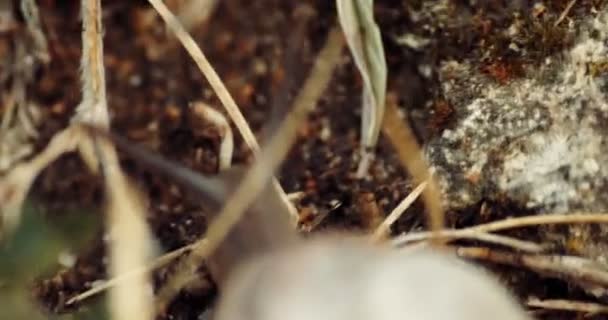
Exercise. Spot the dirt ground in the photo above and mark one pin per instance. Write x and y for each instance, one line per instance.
(151, 82)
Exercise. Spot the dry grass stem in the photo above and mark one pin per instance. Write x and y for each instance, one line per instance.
(142, 270)
(207, 70)
(29, 8)
(564, 13)
(384, 228)
(15, 186)
(130, 243)
(264, 166)
(451, 235)
(17, 113)
(582, 271)
(568, 305)
(521, 245)
(218, 86)
(206, 113)
(93, 108)
(411, 157)
(130, 239)
(510, 223)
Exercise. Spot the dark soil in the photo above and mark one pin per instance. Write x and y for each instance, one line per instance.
(151, 82)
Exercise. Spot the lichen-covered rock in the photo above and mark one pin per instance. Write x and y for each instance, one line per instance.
(540, 140)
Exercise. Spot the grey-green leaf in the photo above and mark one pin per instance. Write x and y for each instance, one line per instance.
(365, 43)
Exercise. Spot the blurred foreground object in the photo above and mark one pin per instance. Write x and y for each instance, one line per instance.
(342, 279)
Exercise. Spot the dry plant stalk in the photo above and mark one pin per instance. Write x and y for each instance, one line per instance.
(568, 305)
(137, 272)
(130, 242)
(264, 166)
(20, 117)
(130, 239)
(411, 157)
(29, 8)
(384, 228)
(16, 184)
(584, 272)
(93, 108)
(564, 13)
(220, 89)
(509, 223)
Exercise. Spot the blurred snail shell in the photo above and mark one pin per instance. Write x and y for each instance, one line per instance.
(343, 279)
(266, 272)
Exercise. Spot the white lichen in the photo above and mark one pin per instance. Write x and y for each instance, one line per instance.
(539, 140)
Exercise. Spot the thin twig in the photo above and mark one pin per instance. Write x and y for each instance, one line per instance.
(384, 227)
(451, 235)
(582, 271)
(411, 157)
(205, 67)
(264, 166)
(110, 283)
(510, 223)
(521, 245)
(564, 13)
(568, 305)
(220, 89)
